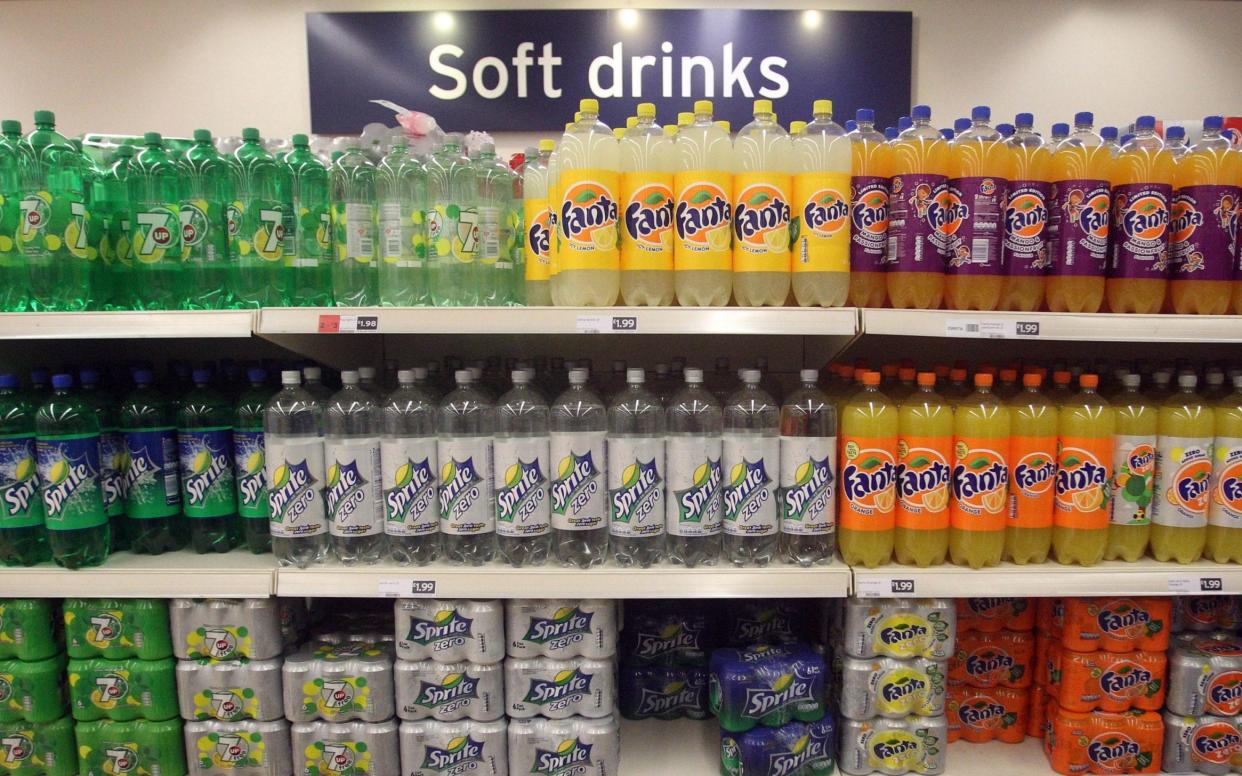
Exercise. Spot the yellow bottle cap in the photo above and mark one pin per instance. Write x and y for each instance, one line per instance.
(646, 110)
(670, 130)
(547, 145)
(703, 106)
(685, 119)
(588, 106)
(631, 122)
(618, 133)
(577, 117)
(725, 126)
(569, 126)
(821, 106)
(763, 106)
(796, 127)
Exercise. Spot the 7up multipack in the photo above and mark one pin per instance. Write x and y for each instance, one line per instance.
(36, 731)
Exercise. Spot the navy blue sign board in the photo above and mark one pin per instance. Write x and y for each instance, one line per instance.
(527, 70)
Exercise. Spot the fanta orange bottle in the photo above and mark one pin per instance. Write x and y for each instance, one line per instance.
(1134, 470)
(958, 388)
(1032, 449)
(761, 211)
(868, 473)
(969, 215)
(916, 261)
(980, 478)
(924, 454)
(872, 168)
(1024, 251)
(1183, 475)
(1224, 538)
(1085, 431)
(906, 376)
(1061, 391)
(703, 188)
(1204, 220)
(1142, 189)
(1007, 388)
(1080, 169)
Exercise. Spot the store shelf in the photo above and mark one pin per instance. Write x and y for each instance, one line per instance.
(679, 747)
(1145, 577)
(156, 324)
(993, 758)
(1100, 327)
(501, 581)
(237, 574)
(841, 321)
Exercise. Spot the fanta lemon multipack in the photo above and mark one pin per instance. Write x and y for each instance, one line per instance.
(867, 500)
(1084, 476)
(920, 166)
(761, 213)
(1081, 171)
(970, 221)
(1142, 190)
(924, 458)
(820, 225)
(980, 479)
(1024, 249)
(1183, 475)
(1032, 454)
(1134, 471)
(702, 216)
(872, 169)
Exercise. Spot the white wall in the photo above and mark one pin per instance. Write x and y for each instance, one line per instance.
(173, 65)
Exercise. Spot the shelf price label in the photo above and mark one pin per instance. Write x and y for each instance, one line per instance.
(1195, 584)
(885, 587)
(348, 324)
(607, 324)
(407, 588)
(973, 328)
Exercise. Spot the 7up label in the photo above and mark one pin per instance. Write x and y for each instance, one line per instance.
(636, 487)
(69, 481)
(749, 493)
(207, 472)
(694, 486)
(807, 496)
(522, 503)
(295, 474)
(408, 478)
(20, 506)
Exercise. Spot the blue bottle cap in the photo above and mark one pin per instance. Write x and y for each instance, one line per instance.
(8, 380)
(921, 113)
(904, 123)
(143, 377)
(62, 381)
(851, 125)
(39, 374)
(201, 376)
(1175, 133)
(1108, 133)
(864, 114)
(1084, 118)
(1006, 130)
(256, 374)
(961, 125)
(1025, 120)
(89, 376)
(1213, 122)
(890, 133)
(1126, 138)
(1060, 128)
(1143, 123)
(947, 133)
(981, 113)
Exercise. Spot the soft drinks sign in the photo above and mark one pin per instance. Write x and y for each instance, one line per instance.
(526, 70)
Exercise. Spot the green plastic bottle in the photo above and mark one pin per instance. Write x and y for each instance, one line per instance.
(355, 273)
(152, 485)
(257, 226)
(112, 456)
(205, 442)
(23, 539)
(206, 188)
(155, 226)
(496, 228)
(140, 746)
(39, 749)
(67, 445)
(117, 628)
(115, 288)
(29, 628)
(248, 459)
(13, 283)
(122, 690)
(401, 190)
(312, 259)
(96, 229)
(32, 690)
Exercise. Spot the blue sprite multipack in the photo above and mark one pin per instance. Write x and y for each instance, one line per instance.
(795, 749)
(767, 686)
(664, 692)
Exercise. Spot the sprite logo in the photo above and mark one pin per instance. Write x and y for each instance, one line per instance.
(639, 492)
(767, 623)
(248, 460)
(810, 492)
(345, 491)
(521, 493)
(566, 625)
(21, 485)
(805, 750)
(454, 687)
(747, 490)
(459, 488)
(571, 756)
(292, 491)
(674, 637)
(575, 484)
(65, 478)
(674, 696)
(204, 470)
(458, 756)
(786, 690)
(703, 497)
(568, 686)
(447, 623)
(412, 492)
(17, 748)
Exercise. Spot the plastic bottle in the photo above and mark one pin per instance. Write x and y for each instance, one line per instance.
(820, 161)
(694, 501)
(314, 384)
(807, 494)
(580, 508)
(1203, 221)
(1134, 469)
(351, 451)
(636, 474)
(152, 487)
(1084, 477)
(1224, 533)
(1183, 475)
(112, 455)
(53, 233)
(554, 216)
(410, 467)
(869, 429)
(465, 425)
(112, 278)
(452, 221)
(13, 275)
(1175, 142)
(249, 463)
(920, 165)
(355, 274)
(67, 449)
(970, 219)
(367, 381)
(980, 478)
(538, 242)
(401, 202)
(703, 184)
(1080, 170)
(495, 197)
(924, 452)
(206, 188)
(294, 458)
(1033, 458)
(647, 163)
(590, 184)
(869, 213)
(1109, 136)
(23, 538)
(155, 227)
(751, 455)
(256, 219)
(208, 486)
(1025, 246)
(310, 278)
(523, 467)
(1142, 188)
(761, 210)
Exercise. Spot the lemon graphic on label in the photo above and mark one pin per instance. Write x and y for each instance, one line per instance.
(254, 462)
(782, 681)
(777, 240)
(567, 463)
(51, 242)
(24, 469)
(629, 475)
(261, 238)
(563, 676)
(444, 615)
(562, 613)
(803, 474)
(670, 630)
(1087, 500)
(567, 745)
(937, 499)
(456, 743)
(451, 679)
(512, 475)
(6, 244)
(58, 472)
(701, 474)
(718, 239)
(73, 234)
(280, 476)
(604, 238)
(737, 474)
(447, 471)
(673, 687)
(403, 475)
(334, 474)
(201, 461)
(243, 247)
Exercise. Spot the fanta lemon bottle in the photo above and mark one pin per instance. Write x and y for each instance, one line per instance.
(589, 183)
(1224, 533)
(1084, 477)
(980, 479)
(1142, 189)
(821, 219)
(1025, 248)
(538, 242)
(647, 212)
(872, 169)
(1203, 224)
(1080, 170)
(868, 473)
(761, 212)
(1183, 475)
(1134, 470)
(924, 454)
(920, 165)
(703, 187)
(1032, 451)
(972, 225)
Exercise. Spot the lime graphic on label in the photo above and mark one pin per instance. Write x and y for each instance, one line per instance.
(201, 461)
(334, 474)
(404, 473)
(630, 475)
(59, 471)
(281, 476)
(512, 475)
(701, 474)
(254, 462)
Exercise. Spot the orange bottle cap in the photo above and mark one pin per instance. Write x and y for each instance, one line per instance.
(906, 373)
(871, 378)
(983, 380)
(1087, 380)
(927, 379)
(942, 370)
(889, 370)
(957, 374)
(1062, 377)
(1009, 375)
(1032, 380)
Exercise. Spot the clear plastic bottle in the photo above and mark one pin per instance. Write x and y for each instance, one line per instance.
(694, 500)
(590, 261)
(1224, 533)
(452, 220)
(401, 193)
(293, 438)
(313, 384)
(23, 538)
(523, 511)
(761, 212)
(367, 381)
(410, 467)
(352, 494)
(155, 227)
(636, 474)
(821, 161)
(1134, 471)
(206, 188)
(808, 490)
(1025, 246)
(256, 219)
(579, 424)
(538, 238)
(751, 454)
(1182, 494)
(465, 426)
(148, 424)
(496, 209)
(249, 464)
(205, 445)
(647, 163)
(355, 274)
(703, 186)
(312, 261)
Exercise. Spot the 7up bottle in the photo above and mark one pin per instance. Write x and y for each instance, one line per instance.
(401, 190)
(206, 188)
(636, 474)
(249, 464)
(23, 540)
(152, 485)
(311, 276)
(808, 503)
(751, 458)
(293, 438)
(355, 275)
(67, 446)
(12, 269)
(155, 227)
(112, 209)
(256, 223)
(205, 443)
(452, 227)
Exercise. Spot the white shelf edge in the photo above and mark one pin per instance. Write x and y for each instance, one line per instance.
(153, 324)
(1066, 327)
(183, 574)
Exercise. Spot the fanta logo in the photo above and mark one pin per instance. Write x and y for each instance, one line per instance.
(1125, 680)
(981, 712)
(869, 212)
(1026, 215)
(1184, 219)
(1093, 215)
(1224, 693)
(1229, 487)
(539, 236)
(1191, 485)
(1123, 618)
(904, 633)
(979, 482)
(1114, 751)
(1219, 648)
(702, 210)
(923, 480)
(946, 213)
(649, 217)
(1216, 742)
(1142, 459)
(987, 187)
(1034, 474)
(589, 216)
(1080, 480)
(902, 688)
(761, 218)
(826, 211)
(867, 481)
(1146, 217)
(991, 608)
(988, 664)
(894, 748)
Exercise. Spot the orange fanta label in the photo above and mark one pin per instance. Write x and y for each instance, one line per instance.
(1117, 624)
(1031, 485)
(980, 715)
(868, 476)
(1106, 681)
(1038, 716)
(1084, 477)
(980, 484)
(992, 614)
(1098, 742)
(923, 482)
(1001, 659)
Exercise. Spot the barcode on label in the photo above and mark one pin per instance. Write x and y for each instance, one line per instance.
(979, 249)
(892, 249)
(359, 240)
(390, 228)
(972, 328)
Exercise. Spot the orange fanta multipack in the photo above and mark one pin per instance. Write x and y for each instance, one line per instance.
(1105, 681)
(992, 614)
(980, 715)
(1098, 742)
(1004, 658)
(1037, 719)
(1117, 624)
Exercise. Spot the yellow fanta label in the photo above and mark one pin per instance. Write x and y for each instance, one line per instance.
(588, 219)
(761, 217)
(821, 233)
(647, 233)
(538, 239)
(703, 219)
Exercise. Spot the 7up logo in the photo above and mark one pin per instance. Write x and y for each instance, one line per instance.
(112, 688)
(338, 758)
(231, 748)
(123, 759)
(336, 694)
(105, 627)
(17, 749)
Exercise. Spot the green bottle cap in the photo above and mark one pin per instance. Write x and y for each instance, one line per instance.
(125, 151)
(301, 140)
(202, 136)
(250, 135)
(153, 139)
(11, 127)
(44, 117)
